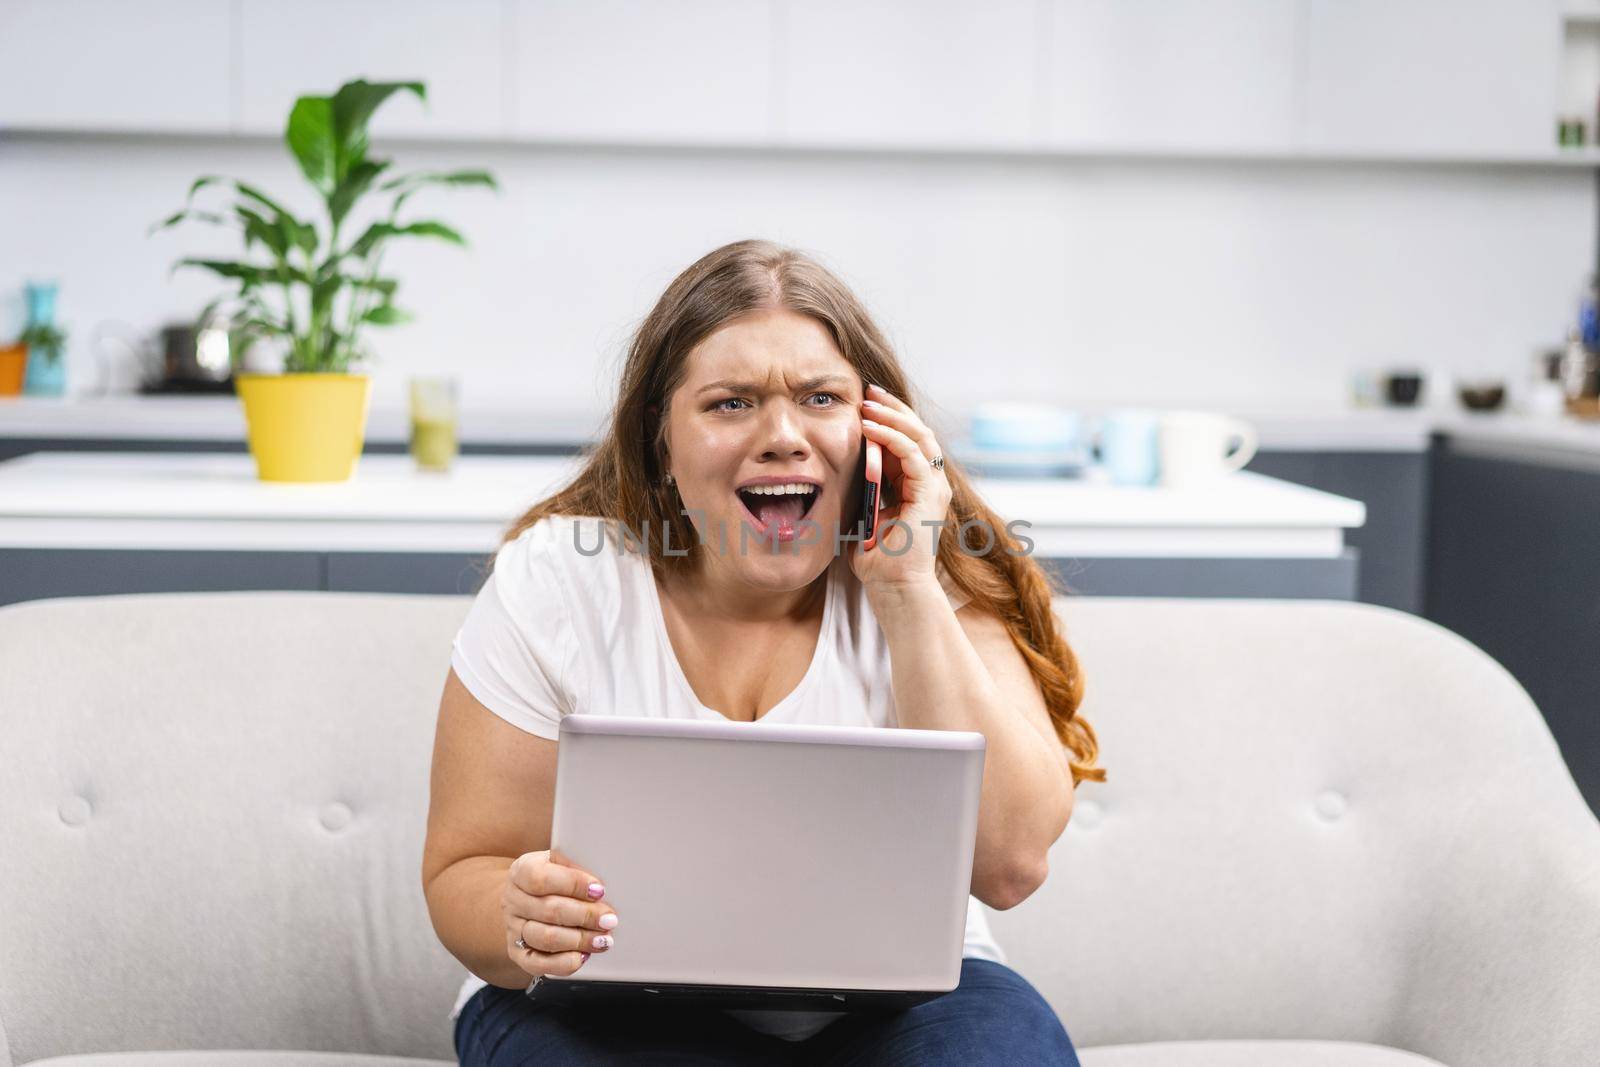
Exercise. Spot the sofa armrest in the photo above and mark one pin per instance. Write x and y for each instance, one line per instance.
(1507, 968)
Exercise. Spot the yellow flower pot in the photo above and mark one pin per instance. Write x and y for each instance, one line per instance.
(305, 427)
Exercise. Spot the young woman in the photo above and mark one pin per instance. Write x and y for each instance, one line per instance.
(733, 457)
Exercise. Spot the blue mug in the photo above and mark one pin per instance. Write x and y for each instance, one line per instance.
(1130, 447)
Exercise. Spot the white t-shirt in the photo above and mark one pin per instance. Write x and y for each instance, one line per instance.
(560, 627)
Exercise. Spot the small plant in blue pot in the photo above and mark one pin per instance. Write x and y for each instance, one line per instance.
(46, 373)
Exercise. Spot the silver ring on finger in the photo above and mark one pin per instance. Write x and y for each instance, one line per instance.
(523, 945)
(937, 463)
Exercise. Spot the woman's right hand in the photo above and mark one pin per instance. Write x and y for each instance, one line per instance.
(554, 907)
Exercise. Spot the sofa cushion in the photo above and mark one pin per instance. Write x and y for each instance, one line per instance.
(235, 1058)
(1251, 1054)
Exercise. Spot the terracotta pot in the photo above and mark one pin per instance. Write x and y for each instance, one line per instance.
(13, 366)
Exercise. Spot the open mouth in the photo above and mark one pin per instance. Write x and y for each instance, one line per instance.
(776, 509)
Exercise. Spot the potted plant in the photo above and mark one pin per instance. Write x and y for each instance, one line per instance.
(35, 362)
(46, 370)
(313, 288)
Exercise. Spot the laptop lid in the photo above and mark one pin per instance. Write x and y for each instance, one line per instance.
(773, 855)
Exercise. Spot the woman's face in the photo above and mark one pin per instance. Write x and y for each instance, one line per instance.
(763, 437)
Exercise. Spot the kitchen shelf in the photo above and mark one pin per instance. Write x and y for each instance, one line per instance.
(1555, 157)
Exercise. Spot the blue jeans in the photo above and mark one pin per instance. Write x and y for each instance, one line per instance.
(993, 1017)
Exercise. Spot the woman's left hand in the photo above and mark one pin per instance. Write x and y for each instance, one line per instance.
(905, 552)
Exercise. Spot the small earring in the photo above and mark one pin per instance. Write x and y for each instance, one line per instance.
(669, 479)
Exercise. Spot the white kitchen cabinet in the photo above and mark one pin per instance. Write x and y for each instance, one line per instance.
(1475, 78)
(644, 71)
(113, 65)
(938, 73)
(288, 48)
(1188, 75)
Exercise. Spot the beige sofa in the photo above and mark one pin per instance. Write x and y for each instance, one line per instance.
(1334, 834)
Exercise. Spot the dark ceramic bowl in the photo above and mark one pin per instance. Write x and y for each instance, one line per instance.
(1403, 389)
(1482, 396)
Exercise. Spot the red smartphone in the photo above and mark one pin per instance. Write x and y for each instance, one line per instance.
(872, 495)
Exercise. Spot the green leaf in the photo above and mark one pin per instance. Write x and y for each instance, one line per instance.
(295, 233)
(330, 269)
(259, 229)
(452, 177)
(323, 290)
(310, 135)
(263, 199)
(352, 108)
(201, 182)
(353, 186)
(429, 228)
(378, 232)
(180, 216)
(304, 235)
(412, 184)
(46, 338)
(386, 315)
(282, 233)
(257, 315)
(386, 286)
(249, 273)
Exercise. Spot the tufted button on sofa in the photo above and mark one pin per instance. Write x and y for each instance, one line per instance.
(1334, 835)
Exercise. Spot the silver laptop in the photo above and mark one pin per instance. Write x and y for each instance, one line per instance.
(769, 865)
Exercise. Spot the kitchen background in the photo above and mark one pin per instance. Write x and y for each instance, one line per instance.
(1257, 208)
(1204, 202)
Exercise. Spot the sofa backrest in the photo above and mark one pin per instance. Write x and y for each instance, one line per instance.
(212, 810)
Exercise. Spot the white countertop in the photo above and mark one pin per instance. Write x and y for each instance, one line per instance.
(1291, 429)
(215, 501)
(1403, 430)
(220, 418)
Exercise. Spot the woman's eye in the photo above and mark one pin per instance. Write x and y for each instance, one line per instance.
(718, 406)
(830, 397)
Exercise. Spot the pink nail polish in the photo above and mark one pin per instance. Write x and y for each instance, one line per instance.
(608, 921)
(596, 890)
(602, 940)
(585, 958)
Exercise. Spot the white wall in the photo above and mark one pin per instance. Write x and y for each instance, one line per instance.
(1083, 281)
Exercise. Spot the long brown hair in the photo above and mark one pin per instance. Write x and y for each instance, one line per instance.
(621, 479)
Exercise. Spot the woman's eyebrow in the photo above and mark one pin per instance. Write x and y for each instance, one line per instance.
(751, 387)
